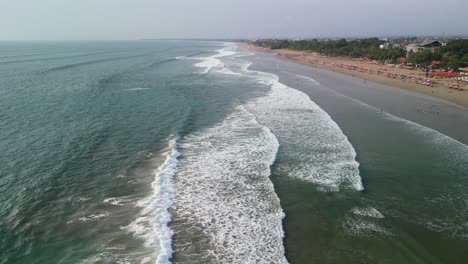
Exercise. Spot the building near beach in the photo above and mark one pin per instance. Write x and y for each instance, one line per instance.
(413, 48)
(389, 46)
(432, 45)
(385, 46)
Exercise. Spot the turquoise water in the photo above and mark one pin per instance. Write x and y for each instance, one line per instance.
(83, 123)
(179, 151)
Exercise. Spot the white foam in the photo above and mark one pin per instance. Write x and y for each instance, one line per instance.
(145, 260)
(229, 50)
(434, 135)
(446, 212)
(365, 221)
(83, 199)
(93, 217)
(164, 192)
(244, 54)
(208, 63)
(118, 200)
(180, 57)
(363, 227)
(321, 153)
(306, 77)
(110, 257)
(227, 72)
(93, 259)
(367, 211)
(225, 199)
(138, 89)
(152, 223)
(456, 224)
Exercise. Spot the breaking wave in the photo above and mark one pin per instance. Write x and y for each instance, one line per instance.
(318, 150)
(152, 223)
(226, 209)
(208, 63)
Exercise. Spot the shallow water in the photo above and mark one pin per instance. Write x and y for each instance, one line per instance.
(413, 207)
(186, 152)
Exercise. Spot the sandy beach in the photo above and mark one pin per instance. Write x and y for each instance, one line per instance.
(407, 144)
(409, 79)
(394, 96)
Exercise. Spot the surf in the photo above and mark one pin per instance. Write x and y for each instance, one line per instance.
(323, 154)
(211, 62)
(225, 200)
(452, 153)
(152, 223)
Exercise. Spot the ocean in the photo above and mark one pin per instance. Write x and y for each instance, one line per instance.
(177, 151)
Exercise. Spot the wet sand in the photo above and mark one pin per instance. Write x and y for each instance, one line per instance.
(414, 176)
(384, 74)
(426, 109)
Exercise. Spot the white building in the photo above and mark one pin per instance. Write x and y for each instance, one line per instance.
(385, 46)
(389, 46)
(432, 45)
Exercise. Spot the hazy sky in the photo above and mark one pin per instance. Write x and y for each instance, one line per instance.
(136, 19)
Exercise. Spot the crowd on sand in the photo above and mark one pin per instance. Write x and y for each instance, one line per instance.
(424, 77)
(434, 82)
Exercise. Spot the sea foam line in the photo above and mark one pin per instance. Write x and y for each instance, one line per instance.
(164, 194)
(436, 135)
(225, 198)
(458, 153)
(152, 222)
(213, 61)
(321, 134)
(235, 221)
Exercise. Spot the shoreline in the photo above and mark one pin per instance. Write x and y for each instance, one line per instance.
(383, 74)
(392, 146)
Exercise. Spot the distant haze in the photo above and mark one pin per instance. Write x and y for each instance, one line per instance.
(138, 19)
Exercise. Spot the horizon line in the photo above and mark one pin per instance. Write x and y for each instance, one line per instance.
(249, 38)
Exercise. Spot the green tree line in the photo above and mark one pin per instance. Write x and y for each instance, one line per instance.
(453, 55)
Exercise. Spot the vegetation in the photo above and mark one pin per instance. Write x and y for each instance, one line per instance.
(453, 55)
(424, 57)
(368, 48)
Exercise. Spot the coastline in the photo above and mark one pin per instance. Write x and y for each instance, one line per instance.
(395, 141)
(438, 89)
